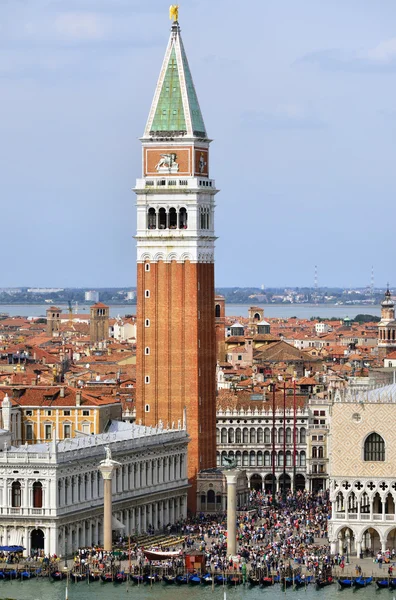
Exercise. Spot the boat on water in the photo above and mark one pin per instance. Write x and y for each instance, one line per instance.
(25, 575)
(151, 578)
(345, 582)
(302, 580)
(207, 579)
(266, 581)
(253, 581)
(120, 577)
(234, 579)
(94, 577)
(194, 580)
(160, 554)
(321, 583)
(107, 577)
(361, 582)
(136, 578)
(220, 579)
(58, 575)
(181, 579)
(169, 579)
(287, 581)
(383, 584)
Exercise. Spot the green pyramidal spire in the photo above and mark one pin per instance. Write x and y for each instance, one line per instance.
(175, 109)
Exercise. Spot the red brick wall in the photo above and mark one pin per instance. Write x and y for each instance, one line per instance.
(182, 358)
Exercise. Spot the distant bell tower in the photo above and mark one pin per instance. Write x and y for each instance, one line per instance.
(176, 353)
(99, 323)
(53, 321)
(387, 326)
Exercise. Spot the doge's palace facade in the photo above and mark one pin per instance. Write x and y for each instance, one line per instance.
(363, 472)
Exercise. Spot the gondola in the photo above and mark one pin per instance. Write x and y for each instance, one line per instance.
(77, 577)
(392, 584)
(120, 577)
(301, 581)
(181, 579)
(383, 584)
(234, 579)
(207, 579)
(151, 578)
(321, 583)
(169, 579)
(287, 581)
(25, 575)
(266, 581)
(58, 575)
(2, 575)
(194, 580)
(361, 582)
(345, 582)
(107, 577)
(12, 574)
(94, 577)
(253, 580)
(220, 579)
(136, 578)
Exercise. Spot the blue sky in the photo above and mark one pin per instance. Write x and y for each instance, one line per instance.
(298, 96)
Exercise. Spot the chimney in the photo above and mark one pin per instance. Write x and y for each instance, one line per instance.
(78, 399)
(62, 392)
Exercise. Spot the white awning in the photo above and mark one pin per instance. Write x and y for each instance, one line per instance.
(116, 525)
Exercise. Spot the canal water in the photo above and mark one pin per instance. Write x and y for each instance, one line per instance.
(43, 589)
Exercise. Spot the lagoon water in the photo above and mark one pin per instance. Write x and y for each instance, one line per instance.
(43, 589)
(302, 311)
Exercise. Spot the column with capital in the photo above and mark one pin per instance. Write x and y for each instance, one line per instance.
(106, 468)
(231, 477)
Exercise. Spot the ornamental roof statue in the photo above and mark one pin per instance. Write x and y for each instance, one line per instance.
(174, 12)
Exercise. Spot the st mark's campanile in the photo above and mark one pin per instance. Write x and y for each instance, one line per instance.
(176, 343)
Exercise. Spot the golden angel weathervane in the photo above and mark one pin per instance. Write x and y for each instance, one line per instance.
(174, 12)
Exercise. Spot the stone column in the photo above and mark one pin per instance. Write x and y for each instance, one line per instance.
(106, 468)
(231, 477)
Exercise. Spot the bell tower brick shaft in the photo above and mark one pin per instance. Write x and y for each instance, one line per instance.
(176, 354)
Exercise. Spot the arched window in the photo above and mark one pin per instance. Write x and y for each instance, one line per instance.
(252, 435)
(320, 452)
(217, 311)
(224, 435)
(16, 494)
(245, 435)
(238, 436)
(37, 494)
(151, 219)
(303, 435)
(288, 435)
(172, 218)
(252, 459)
(280, 435)
(260, 435)
(238, 458)
(280, 459)
(314, 452)
(288, 459)
(218, 436)
(302, 459)
(245, 459)
(230, 436)
(374, 448)
(259, 458)
(267, 435)
(182, 218)
(162, 218)
(267, 459)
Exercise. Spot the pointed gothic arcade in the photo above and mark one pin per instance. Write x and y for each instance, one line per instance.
(176, 356)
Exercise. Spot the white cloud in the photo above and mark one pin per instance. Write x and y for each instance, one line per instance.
(384, 52)
(80, 26)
